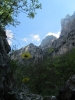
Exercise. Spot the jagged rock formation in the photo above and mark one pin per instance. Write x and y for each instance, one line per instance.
(4, 48)
(66, 41)
(35, 52)
(68, 91)
(5, 84)
(47, 41)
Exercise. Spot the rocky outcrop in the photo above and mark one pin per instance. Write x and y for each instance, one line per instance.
(4, 65)
(47, 41)
(68, 91)
(50, 98)
(4, 48)
(35, 52)
(66, 41)
(68, 24)
(34, 97)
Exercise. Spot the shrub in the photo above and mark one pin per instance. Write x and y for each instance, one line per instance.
(50, 50)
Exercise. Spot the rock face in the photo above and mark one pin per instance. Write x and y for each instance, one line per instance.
(66, 41)
(35, 52)
(4, 48)
(47, 41)
(4, 66)
(67, 92)
(50, 98)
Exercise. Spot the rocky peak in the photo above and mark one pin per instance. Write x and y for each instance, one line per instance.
(47, 41)
(68, 24)
(4, 48)
(35, 52)
(66, 41)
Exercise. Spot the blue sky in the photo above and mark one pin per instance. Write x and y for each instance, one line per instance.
(47, 21)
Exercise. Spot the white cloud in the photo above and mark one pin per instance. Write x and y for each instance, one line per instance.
(54, 34)
(25, 39)
(9, 41)
(10, 36)
(35, 37)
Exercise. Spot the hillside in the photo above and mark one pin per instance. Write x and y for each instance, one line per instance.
(55, 64)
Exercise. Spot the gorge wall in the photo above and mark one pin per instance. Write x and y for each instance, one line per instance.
(5, 84)
(66, 41)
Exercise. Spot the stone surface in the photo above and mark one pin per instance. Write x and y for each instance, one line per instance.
(68, 91)
(5, 83)
(66, 41)
(35, 97)
(47, 41)
(35, 52)
(49, 98)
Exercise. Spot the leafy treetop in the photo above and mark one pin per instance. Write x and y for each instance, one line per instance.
(9, 10)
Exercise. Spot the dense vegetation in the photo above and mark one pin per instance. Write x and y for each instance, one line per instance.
(47, 76)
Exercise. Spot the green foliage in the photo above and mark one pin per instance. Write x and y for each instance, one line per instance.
(47, 76)
(26, 55)
(13, 65)
(50, 50)
(9, 10)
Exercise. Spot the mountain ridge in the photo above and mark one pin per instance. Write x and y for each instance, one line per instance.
(50, 45)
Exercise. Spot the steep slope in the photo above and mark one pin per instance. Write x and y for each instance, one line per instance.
(5, 80)
(35, 52)
(66, 41)
(47, 41)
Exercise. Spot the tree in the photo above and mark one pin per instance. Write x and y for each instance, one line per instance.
(9, 10)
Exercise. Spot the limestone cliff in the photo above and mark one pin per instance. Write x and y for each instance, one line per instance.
(66, 41)
(5, 84)
(47, 41)
(4, 48)
(35, 52)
